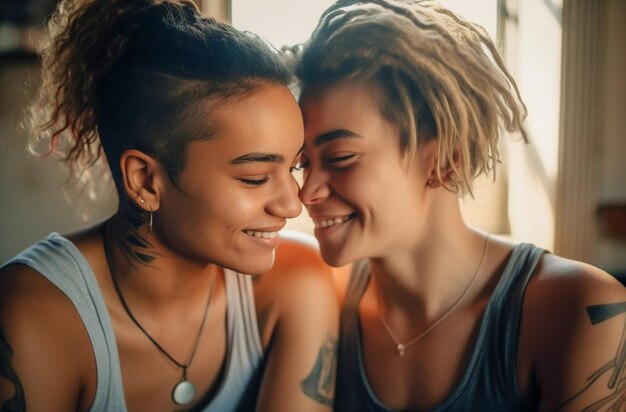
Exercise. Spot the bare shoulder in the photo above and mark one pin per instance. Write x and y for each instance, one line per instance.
(574, 315)
(563, 294)
(25, 294)
(297, 265)
(297, 312)
(558, 281)
(299, 285)
(298, 258)
(38, 324)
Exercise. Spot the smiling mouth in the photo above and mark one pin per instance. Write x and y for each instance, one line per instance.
(325, 223)
(260, 234)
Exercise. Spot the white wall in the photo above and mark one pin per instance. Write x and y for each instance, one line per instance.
(33, 202)
(534, 55)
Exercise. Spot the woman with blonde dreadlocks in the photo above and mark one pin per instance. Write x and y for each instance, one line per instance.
(402, 104)
(155, 309)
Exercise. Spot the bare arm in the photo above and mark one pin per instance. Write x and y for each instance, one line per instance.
(301, 354)
(44, 350)
(581, 361)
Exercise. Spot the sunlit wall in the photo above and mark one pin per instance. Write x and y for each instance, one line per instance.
(536, 50)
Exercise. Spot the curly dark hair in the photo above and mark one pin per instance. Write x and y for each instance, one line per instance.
(120, 74)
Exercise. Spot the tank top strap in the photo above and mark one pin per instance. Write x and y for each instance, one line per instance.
(490, 380)
(244, 352)
(241, 312)
(61, 262)
(504, 312)
(518, 270)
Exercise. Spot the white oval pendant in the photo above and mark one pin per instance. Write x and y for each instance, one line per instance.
(184, 392)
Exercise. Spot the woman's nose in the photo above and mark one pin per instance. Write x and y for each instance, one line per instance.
(287, 204)
(315, 187)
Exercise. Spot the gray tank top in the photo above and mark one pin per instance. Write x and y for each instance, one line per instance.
(490, 380)
(58, 259)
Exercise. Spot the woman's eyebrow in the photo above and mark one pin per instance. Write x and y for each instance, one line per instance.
(258, 157)
(335, 134)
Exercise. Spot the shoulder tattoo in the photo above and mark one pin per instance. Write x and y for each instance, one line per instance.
(615, 368)
(17, 402)
(320, 384)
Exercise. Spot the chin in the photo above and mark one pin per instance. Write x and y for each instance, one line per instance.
(253, 265)
(335, 258)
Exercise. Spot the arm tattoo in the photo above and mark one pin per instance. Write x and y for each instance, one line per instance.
(616, 400)
(320, 384)
(17, 402)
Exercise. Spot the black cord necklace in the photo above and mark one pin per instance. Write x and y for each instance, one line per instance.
(184, 391)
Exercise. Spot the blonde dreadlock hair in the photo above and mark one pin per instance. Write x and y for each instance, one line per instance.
(440, 77)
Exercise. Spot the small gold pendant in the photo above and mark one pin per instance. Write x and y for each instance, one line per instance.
(401, 348)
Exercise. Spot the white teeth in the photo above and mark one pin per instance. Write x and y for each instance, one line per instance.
(324, 223)
(264, 235)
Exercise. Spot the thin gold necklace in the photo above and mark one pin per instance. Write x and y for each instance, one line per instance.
(184, 391)
(401, 347)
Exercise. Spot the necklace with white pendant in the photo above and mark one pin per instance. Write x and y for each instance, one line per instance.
(401, 347)
(184, 391)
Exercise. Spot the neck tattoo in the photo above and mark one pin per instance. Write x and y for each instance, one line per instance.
(401, 347)
(184, 391)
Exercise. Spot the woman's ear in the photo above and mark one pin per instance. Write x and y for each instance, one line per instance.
(446, 175)
(427, 160)
(140, 177)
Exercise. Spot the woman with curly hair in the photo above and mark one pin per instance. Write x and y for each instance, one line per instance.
(403, 104)
(153, 309)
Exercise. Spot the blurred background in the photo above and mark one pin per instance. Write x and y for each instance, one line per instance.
(565, 191)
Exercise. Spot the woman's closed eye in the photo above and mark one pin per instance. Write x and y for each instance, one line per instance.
(253, 181)
(296, 166)
(332, 160)
(341, 159)
(303, 163)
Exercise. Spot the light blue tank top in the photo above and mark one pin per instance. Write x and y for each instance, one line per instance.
(58, 259)
(490, 380)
